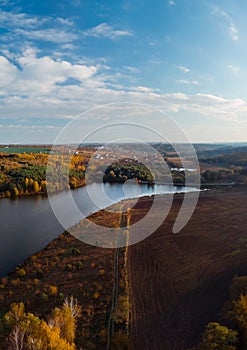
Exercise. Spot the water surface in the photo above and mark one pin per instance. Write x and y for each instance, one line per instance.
(28, 224)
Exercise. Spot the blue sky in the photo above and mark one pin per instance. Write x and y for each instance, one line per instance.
(60, 58)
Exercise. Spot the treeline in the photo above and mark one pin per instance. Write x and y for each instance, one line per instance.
(24, 174)
(24, 181)
(231, 332)
(211, 151)
(235, 174)
(233, 159)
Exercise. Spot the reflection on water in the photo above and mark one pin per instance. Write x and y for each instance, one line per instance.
(28, 223)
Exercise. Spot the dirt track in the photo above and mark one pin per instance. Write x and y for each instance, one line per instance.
(178, 283)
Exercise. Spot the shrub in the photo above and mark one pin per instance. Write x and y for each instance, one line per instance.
(44, 296)
(21, 272)
(16, 282)
(120, 341)
(80, 265)
(96, 295)
(52, 290)
(36, 281)
(69, 267)
(121, 312)
(75, 251)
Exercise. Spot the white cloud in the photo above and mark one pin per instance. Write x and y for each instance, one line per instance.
(39, 76)
(188, 82)
(184, 69)
(8, 72)
(232, 29)
(142, 89)
(104, 30)
(21, 20)
(10, 19)
(233, 68)
(39, 89)
(132, 69)
(66, 21)
(172, 3)
(21, 26)
(52, 35)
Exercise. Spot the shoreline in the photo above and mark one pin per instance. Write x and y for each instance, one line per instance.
(45, 194)
(177, 196)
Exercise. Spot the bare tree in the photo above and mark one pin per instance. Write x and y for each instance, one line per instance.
(16, 339)
(72, 304)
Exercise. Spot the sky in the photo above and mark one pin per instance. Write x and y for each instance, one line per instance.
(186, 59)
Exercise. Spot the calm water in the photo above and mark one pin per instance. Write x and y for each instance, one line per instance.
(28, 224)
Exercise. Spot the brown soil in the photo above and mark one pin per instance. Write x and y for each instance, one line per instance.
(179, 283)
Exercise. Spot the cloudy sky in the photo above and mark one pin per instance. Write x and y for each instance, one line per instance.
(60, 58)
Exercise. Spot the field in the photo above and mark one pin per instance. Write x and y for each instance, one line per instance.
(179, 283)
(23, 149)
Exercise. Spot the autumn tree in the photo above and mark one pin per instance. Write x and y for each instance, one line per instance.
(239, 315)
(36, 187)
(121, 312)
(65, 318)
(29, 332)
(217, 337)
(16, 339)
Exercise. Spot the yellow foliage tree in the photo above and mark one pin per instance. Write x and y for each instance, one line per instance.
(36, 186)
(65, 319)
(29, 332)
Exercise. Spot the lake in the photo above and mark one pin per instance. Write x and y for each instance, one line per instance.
(28, 224)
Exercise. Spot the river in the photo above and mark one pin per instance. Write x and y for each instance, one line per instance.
(28, 224)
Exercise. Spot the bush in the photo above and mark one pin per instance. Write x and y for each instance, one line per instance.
(75, 251)
(21, 272)
(69, 267)
(16, 282)
(80, 265)
(121, 312)
(44, 296)
(120, 341)
(52, 290)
